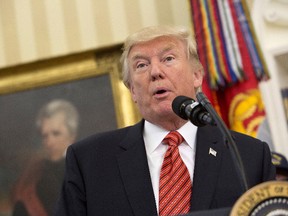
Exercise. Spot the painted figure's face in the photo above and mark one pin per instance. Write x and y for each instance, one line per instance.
(55, 136)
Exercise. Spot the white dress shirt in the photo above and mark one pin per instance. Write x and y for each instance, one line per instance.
(155, 150)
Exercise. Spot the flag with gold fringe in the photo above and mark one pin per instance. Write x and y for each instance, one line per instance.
(232, 60)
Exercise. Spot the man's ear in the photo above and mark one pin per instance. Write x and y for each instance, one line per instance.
(133, 95)
(198, 77)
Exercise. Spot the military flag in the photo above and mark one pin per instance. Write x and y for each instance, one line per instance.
(232, 60)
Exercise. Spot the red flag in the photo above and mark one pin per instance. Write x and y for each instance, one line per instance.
(239, 103)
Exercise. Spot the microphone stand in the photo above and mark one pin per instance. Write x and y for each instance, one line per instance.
(202, 99)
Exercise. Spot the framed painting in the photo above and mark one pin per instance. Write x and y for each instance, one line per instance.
(91, 81)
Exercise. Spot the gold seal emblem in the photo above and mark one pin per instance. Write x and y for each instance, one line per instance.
(266, 199)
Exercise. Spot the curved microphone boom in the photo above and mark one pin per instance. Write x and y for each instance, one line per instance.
(187, 108)
(229, 141)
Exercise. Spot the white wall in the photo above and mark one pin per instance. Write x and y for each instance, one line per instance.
(270, 20)
(36, 29)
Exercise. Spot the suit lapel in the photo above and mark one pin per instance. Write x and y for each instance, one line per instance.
(135, 173)
(207, 164)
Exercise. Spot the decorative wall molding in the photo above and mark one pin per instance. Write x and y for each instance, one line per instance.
(276, 12)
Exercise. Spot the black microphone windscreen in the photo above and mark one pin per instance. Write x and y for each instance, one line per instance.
(179, 104)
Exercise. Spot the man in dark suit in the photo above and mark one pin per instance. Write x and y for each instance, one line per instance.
(121, 172)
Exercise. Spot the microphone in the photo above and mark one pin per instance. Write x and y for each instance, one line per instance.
(188, 108)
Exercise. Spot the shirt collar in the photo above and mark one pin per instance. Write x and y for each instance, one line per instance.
(153, 135)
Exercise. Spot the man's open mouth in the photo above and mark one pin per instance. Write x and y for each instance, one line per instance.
(162, 91)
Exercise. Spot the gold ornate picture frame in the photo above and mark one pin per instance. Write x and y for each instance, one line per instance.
(70, 68)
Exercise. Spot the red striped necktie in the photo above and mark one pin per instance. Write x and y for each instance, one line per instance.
(175, 186)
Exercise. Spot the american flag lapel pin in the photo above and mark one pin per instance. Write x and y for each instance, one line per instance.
(212, 152)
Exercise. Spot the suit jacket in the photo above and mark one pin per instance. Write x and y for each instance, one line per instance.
(108, 174)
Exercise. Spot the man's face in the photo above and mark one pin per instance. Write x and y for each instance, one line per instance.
(160, 71)
(55, 136)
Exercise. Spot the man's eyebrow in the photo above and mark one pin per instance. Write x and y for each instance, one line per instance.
(168, 48)
(138, 56)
